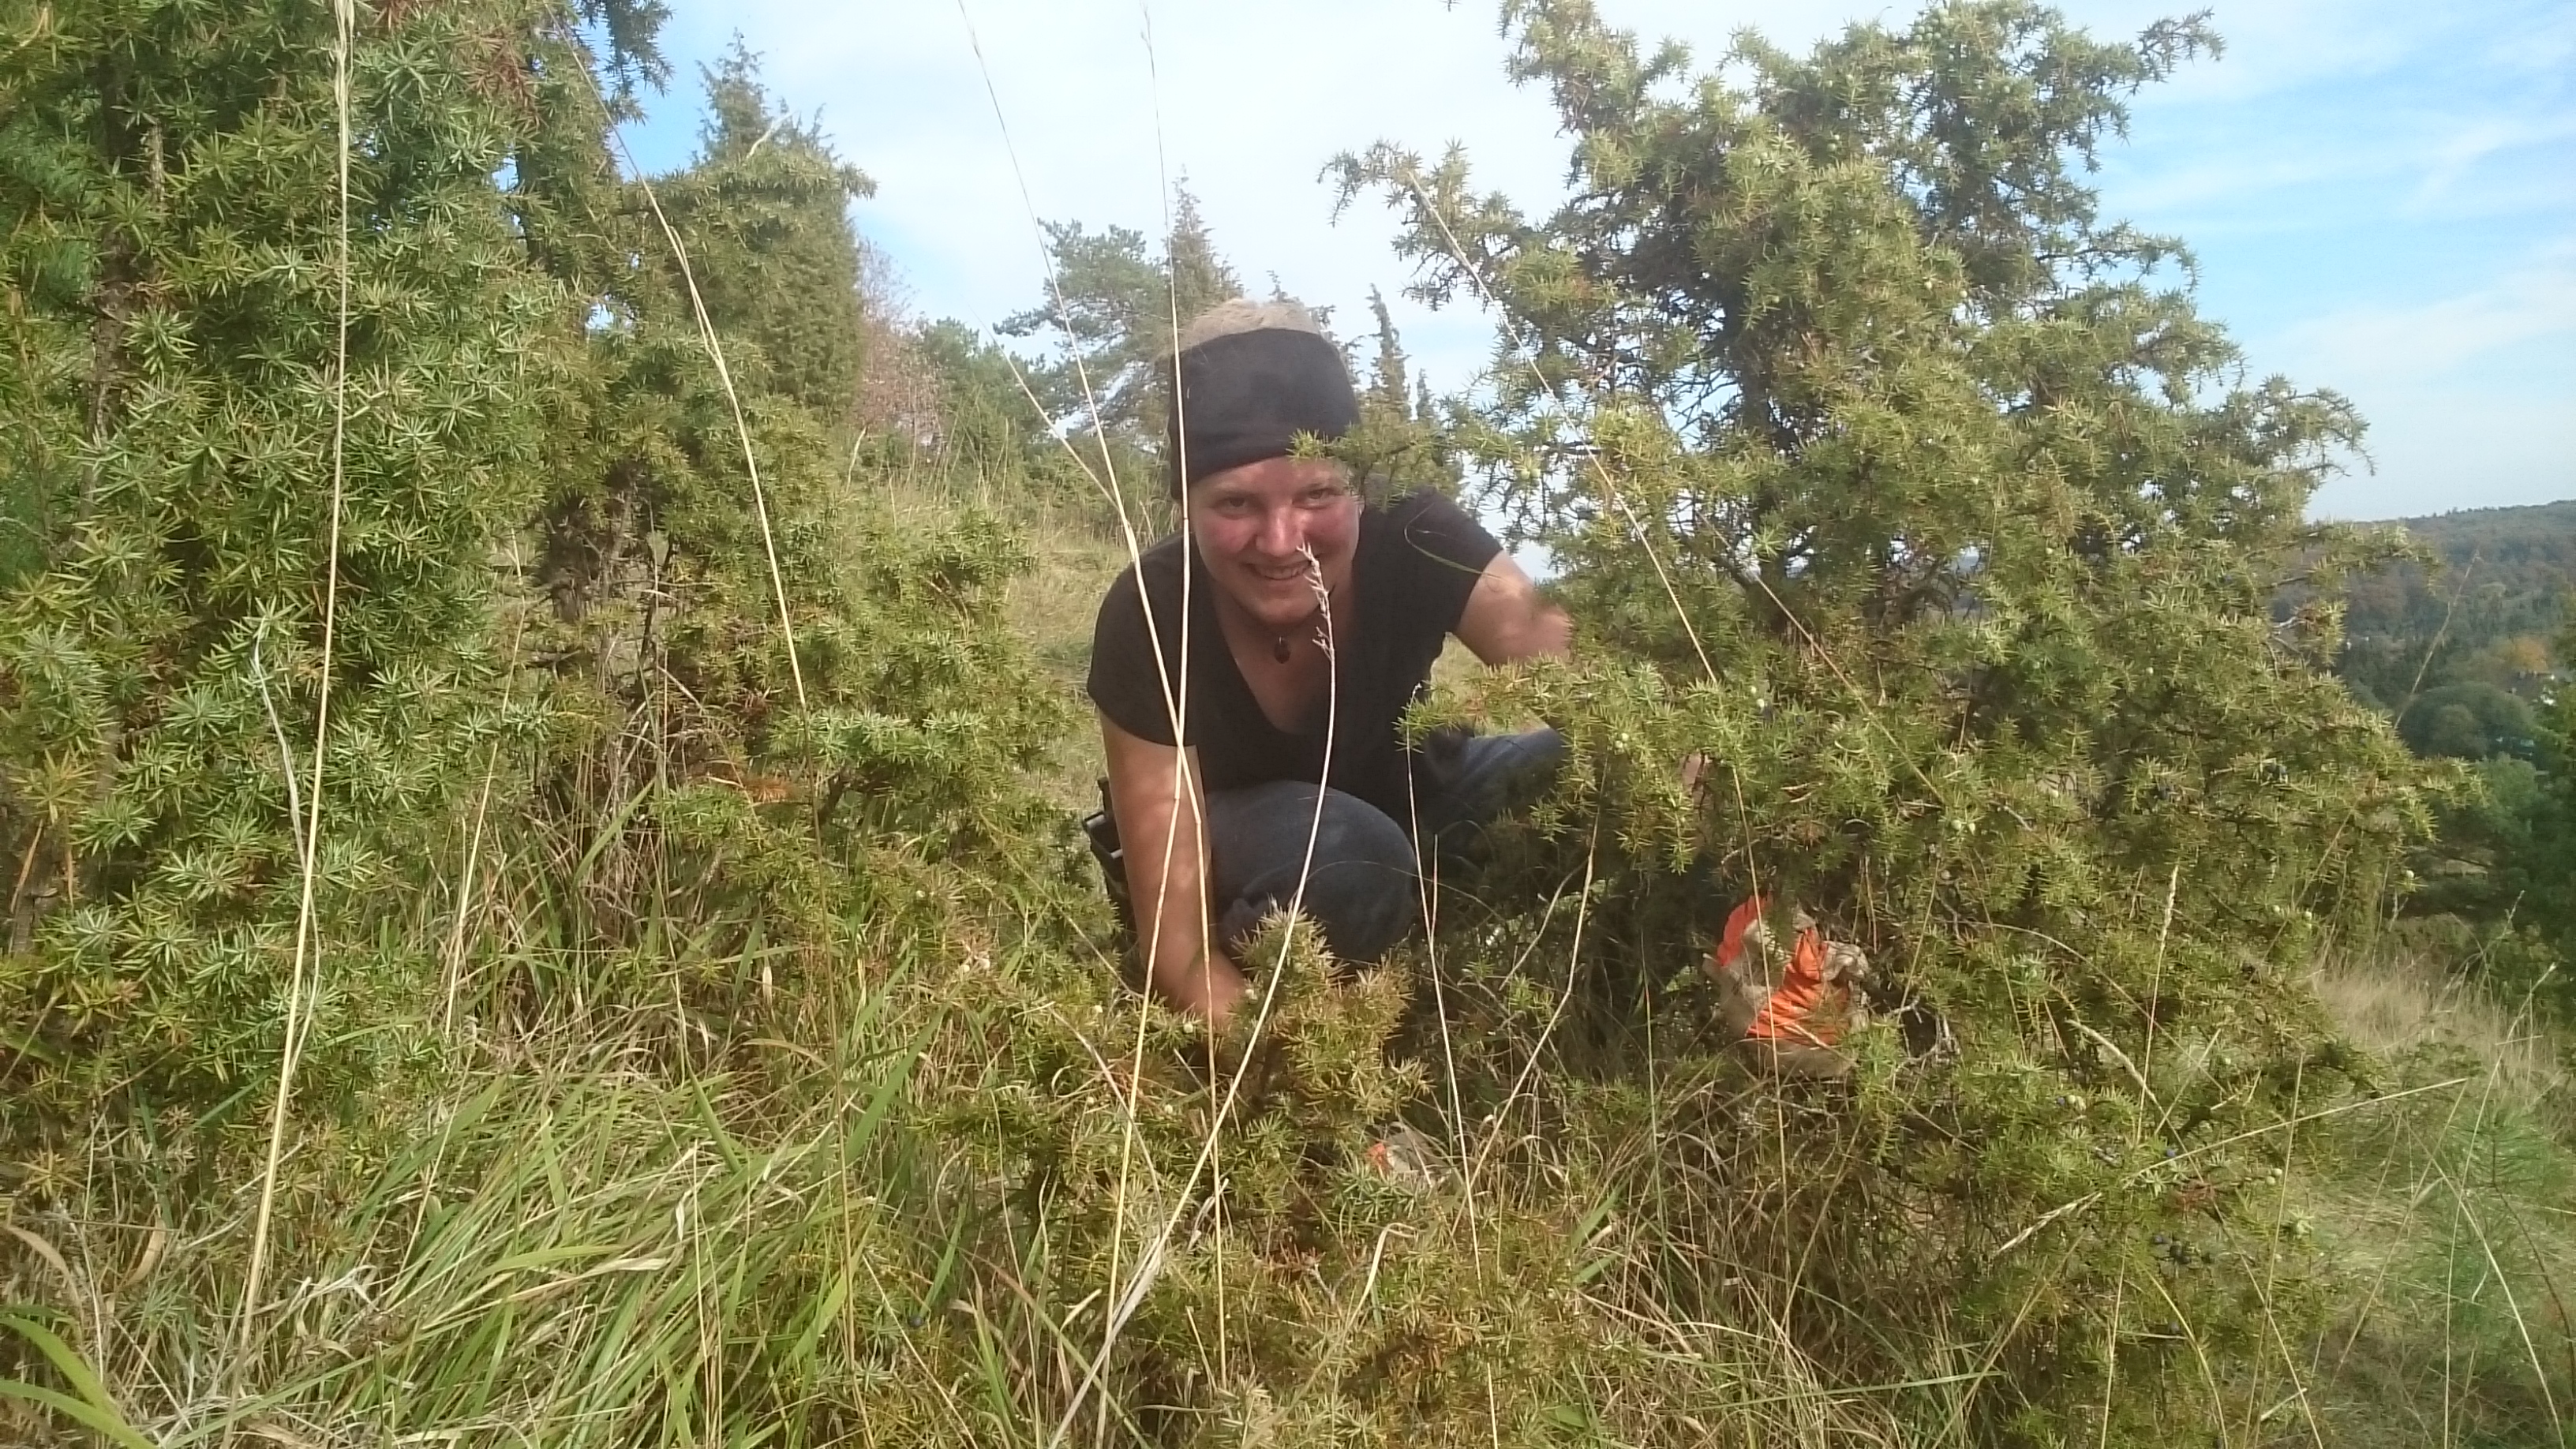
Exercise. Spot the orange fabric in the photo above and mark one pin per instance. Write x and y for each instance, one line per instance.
(1801, 989)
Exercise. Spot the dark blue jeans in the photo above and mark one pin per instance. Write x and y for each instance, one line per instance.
(1360, 889)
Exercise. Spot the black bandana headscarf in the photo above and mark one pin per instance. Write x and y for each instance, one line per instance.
(1248, 396)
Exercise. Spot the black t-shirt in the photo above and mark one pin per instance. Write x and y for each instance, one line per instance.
(1417, 560)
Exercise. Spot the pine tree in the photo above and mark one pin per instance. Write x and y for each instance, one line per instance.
(764, 209)
(1198, 278)
(1113, 315)
(1400, 444)
(1388, 377)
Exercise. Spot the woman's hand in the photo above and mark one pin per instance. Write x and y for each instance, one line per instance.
(1210, 993)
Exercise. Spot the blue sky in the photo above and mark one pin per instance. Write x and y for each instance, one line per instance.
(2382, 195)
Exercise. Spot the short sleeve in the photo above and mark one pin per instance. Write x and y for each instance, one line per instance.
(1442, 550)
(1124, 681)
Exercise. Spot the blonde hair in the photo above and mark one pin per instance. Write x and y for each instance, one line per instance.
(1242, 314)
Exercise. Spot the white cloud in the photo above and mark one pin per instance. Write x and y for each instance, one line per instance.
(2468, 396)
(2440, 450)
(1253, 101)
(2364, 109)
(2436, 158)
(2397, 346)
(1255, 97)
(2462, 147)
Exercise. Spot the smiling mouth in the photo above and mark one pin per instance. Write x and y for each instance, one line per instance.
(1289, 573)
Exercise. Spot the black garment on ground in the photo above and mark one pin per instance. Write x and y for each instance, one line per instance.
(1417, 561)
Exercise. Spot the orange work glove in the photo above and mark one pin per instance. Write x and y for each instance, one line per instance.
(1792, 1011)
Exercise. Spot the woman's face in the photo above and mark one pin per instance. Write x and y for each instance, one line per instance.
(1256, 525)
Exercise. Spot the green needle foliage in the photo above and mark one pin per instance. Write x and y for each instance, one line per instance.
(770, 245)
(705, 523)
(719, 1042)
(532, 408)
(176, 421)
(1916, 497)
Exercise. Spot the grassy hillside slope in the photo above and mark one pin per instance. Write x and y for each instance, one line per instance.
(600, 953)
(613, 1219)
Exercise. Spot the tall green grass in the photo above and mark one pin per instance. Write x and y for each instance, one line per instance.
(649, 1180)
(893, 1199)
(2453, 1216)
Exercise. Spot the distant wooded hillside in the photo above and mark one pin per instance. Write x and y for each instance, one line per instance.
(2491, 614)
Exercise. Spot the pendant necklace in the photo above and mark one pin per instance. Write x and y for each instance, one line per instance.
(1283, 645)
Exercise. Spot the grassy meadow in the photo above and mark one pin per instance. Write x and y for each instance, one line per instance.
(542, 743)
(889, 1195)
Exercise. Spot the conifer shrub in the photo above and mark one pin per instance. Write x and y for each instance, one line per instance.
(662, 767)
(1918, 500)
(765, 677)
(786, 1088)
(534, 408)
(176, 426)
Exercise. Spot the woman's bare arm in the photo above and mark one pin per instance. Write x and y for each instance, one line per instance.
(1154, 792)
(1508, 619)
